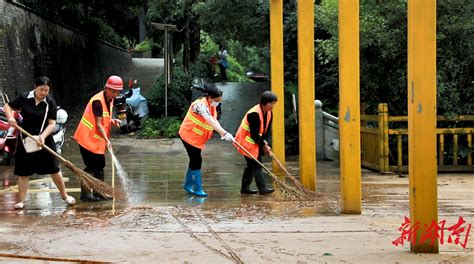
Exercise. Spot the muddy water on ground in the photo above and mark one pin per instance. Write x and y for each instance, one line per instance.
(156, 170)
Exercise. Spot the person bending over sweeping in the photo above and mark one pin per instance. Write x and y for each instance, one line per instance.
(196, 129)
(93, 132)
(39, 118)
(252, 135)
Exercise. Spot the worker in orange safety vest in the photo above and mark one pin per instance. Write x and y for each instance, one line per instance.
(93, 132)
(197, 128)
(253, 136)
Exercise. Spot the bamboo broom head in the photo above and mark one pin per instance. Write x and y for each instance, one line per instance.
(90, 182)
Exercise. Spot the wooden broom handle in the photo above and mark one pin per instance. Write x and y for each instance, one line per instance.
(113, 168)
(255, 159)
(44, 145)
(281, 165)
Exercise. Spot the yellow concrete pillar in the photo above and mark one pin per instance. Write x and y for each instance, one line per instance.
(422, 119)
(306, 114)
(277, 82)
(349, 107)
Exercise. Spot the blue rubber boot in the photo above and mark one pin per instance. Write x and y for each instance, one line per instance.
(188, 182)
(198, 191)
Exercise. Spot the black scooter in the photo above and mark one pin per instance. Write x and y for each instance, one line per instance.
(129, 120)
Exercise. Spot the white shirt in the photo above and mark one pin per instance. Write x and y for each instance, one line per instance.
(31, 94)
(222, 54)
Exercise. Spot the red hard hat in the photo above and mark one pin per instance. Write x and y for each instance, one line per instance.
(114, 82)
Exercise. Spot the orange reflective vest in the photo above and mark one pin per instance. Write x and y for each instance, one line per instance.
(87, 134)
(195, 130)
(243, 136)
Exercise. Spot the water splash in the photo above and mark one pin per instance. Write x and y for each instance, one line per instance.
(122, 174)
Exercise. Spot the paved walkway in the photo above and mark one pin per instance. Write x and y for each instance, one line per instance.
(161, 224)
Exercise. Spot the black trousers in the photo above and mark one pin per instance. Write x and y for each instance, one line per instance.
(95, 163)
(252, 164)
(253, 170)
(194, 154)
(223, 73)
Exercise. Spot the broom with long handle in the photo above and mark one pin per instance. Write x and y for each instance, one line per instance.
(292, 178)
(86, 179)
(113, 179)
(287, 191)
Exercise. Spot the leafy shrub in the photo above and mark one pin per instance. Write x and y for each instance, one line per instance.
(100, 29)
(208, 46)
(143, 46)
(255, 59)
(167, 127)
(203, 68)
(179, 94)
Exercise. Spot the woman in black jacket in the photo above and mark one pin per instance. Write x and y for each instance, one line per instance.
(39, 118)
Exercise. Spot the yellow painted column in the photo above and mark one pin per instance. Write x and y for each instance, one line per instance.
(422, 119)
(306, 110)
(277, 82)
(349, 107)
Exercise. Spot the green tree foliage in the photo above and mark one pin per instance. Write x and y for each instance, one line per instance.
(179, 94)
(242, 26)
(181, 14)
(108, 20)
(202, 67)
(455, 50)
(252, 58)
(242, 20)
(383, 54)
(146, 45)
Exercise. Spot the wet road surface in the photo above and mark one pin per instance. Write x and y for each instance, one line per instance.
(160, 223)
(156, 170)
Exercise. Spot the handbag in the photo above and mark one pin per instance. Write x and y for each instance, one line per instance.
(29, 143)
(224, 63)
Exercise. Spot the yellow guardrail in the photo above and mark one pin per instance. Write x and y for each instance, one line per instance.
(377, 150)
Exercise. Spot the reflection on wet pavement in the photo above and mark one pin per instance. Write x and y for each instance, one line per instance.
(156, 170)
(159, 222)
(224, 226)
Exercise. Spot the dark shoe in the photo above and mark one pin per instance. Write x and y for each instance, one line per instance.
(247, 178)
(248, 191)
(260, 181)
(265, 191)
(99, 197)
(88, 196)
